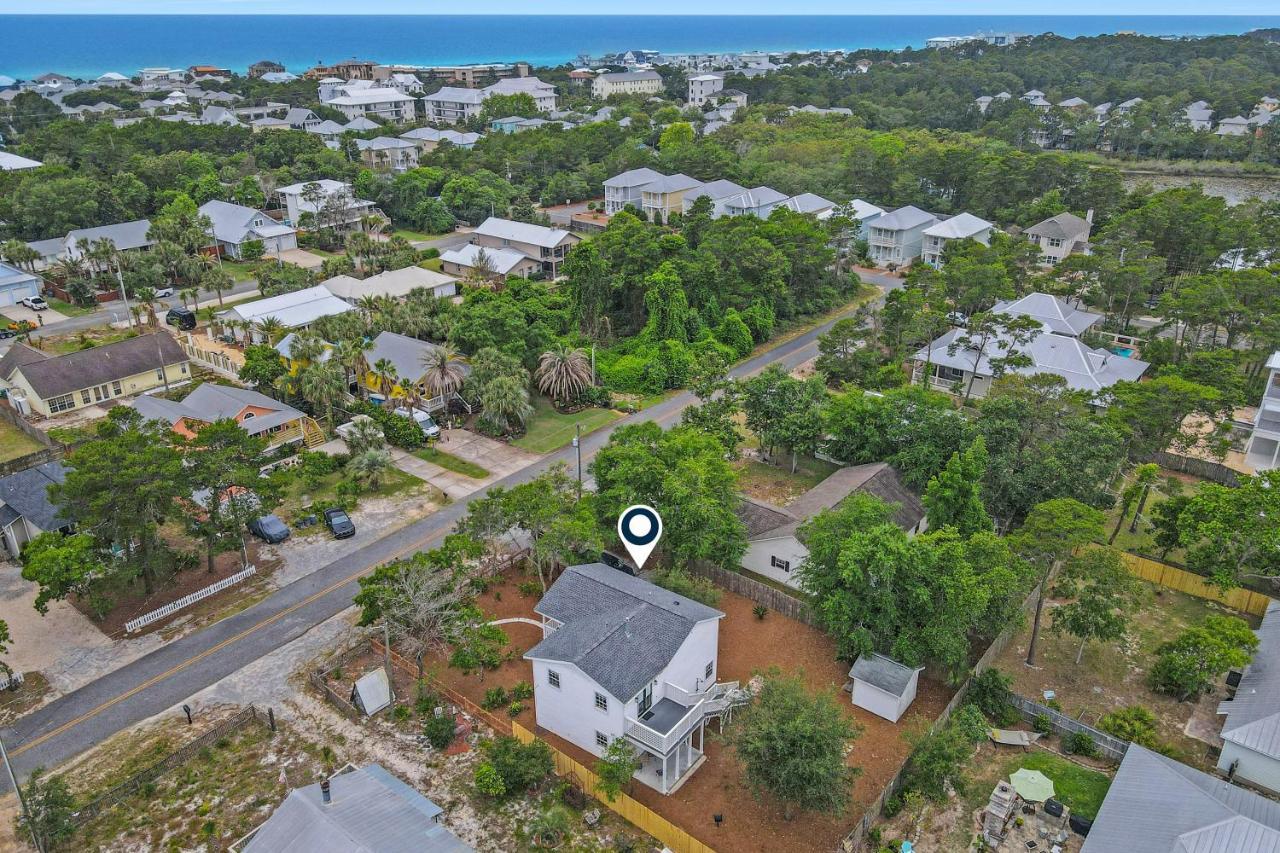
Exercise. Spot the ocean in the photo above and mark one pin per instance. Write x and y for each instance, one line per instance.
(89, 45)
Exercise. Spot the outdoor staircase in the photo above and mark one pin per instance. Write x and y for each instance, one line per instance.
(722, 698)
(312, 435)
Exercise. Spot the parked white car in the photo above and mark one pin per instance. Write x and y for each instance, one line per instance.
(162, 292)
(35, 303)
(424, 421)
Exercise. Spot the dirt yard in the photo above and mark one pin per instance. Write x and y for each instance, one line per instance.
(747, 645)
(1114, 675)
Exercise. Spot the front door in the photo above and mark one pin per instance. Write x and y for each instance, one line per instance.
(645, 702)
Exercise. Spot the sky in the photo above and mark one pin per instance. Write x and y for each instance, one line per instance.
(657, 7)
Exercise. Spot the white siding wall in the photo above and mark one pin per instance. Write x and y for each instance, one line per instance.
(1254, 767)
(570, 711)
(882, 703)
(759, 553)
(688, 668)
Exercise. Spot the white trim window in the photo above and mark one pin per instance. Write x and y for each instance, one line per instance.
(553, 678)
(602, 702)
(711, 668)
(602, 739)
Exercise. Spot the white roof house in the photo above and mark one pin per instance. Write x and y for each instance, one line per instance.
(295, 310)
(386, 103)
(13, 163)
(297, 203)
(393, 283)
(1053, 313)
(1251, 730)
(810, 203)
(757, 201)
(963, 226)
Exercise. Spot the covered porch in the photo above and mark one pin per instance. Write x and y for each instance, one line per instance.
(671, 740)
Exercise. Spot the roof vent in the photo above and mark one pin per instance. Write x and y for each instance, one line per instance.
(324, 792)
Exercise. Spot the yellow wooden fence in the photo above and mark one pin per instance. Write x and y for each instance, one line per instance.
(1171, 577)
(632, 810)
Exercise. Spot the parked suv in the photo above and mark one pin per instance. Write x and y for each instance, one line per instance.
(270, 529)
(339, 523)
(183, 318)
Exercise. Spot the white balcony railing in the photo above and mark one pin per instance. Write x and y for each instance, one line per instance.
(660, 743)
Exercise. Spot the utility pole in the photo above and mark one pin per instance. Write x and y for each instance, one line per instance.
(386, 654)
(128, 313)
(577, 445)
(22, 801)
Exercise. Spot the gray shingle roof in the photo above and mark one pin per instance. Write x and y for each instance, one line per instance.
(621, 631)
(371, 812)
(883, 672)
(57, 375)
(1157, 805)
(210, 402)
(877, 479)
(905, 218)
(26, 493)
(1253, 716)
(126, 235)
(1064, 226)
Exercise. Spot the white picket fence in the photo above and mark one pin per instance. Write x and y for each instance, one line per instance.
(188, 600)
(15, 681)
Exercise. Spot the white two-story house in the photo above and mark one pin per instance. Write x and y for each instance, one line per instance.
(963, 226)
(453, 104)
(625, 189)
(897, 238)
(385, 103)
(1262, 452)
(623, 658)
(1059, 236)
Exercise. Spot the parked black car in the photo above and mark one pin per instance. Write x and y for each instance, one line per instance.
(339, 523)
(183, 318)
(269, 528)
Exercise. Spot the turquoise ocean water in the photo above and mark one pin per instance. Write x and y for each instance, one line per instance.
(89, 45)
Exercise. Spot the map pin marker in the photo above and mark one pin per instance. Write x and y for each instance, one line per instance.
(639, 528)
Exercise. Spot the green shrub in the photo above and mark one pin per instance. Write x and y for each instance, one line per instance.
(1042, 724)
(1191, 664)
(760, 320)
(529, 589)
(400, 713)
(733, 333)
(522, 691)
(969, 721)
(494, 697)
(489, 781)
(690, 586)
(439, 730)
(427, 701)
(760, 611)
(521, 767)
(990, 692)
(515, 709)
(1133, 723)
(1080, 743)
(398, 430)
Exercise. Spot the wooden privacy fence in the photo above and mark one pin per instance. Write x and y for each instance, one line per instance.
(775, 599)
(1171, 577)
(1112, 747)
(633, 811)
(142, 777)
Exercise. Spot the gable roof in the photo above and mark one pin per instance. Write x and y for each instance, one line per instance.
(12, 162)
(522, 232)
(1253, 715)
(622, 76)
(126, 235)
(457, 95)
(714, 190)
(394, 283)
(905, 218)
(298, 308)
(634, 178)
(1064, 226)
(365, 97)
(371, 811)
(54, 376)
(879, 479)
(883, 672)
(1157, 805)
(1052, 312)
(328, 127)
(502, 261)
(26, 492)
(808, 203)
(405, 353)
(621, 631)
(211, 402)
(756, 198)
(232, 223)
(671, 184)
(959, 227)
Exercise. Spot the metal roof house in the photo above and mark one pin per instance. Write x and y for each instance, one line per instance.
(295, 310)
(898, 237)
(1251, 731)
(883, 686)
(1158, 805)
(962, 226)
(366, 810)
(773, 547)
(395, 284)
(257, 414)
(623, 658)
(234, 225)
(1053, 312)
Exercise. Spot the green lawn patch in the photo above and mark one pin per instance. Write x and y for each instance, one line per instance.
(776, 484)
(434, 264)
(416, 236)
(299, 496)
(451, 463)
(550, 430)
(15, 443)
(75, 433)
(238, 270)
(70, 309)
(86, 340)
(1080, 789)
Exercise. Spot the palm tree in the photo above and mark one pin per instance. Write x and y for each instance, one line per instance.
(360, 247)
(370, 467)
(506, 405)
(20, 255)
(216, 280)
(388, 378)
(189, 293)
(306, 347)
(563, 373)
(365, 435)
(146, 297)
(321, 384)
(350, 354)
(271, 329)
(442, 372)
(67, 269)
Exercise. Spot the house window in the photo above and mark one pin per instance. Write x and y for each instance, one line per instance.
(947, 374)
(601, 739)
(160, 373)
(602, 702)
(553, 678)
(116, 389)
(61, 404)
(1055, 242)
(711, 667)
(779, 563)
(84, 396)
(247, 416)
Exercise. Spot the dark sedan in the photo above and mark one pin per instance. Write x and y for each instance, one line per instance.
(269, 528)
(339, 523)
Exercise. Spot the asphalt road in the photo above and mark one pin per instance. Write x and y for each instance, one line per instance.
(168, 676)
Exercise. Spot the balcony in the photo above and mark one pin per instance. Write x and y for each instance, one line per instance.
(665, 726)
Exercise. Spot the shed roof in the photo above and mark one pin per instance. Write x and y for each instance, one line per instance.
(883, 672)
(621, 631)
(371, 811)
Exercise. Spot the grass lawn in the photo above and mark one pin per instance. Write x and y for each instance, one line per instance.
(776, 484)
(434, 264)
(1141, 541)
(1114, 675)
(415, 236)
(69, 309)
(63, 344)
(396, 482)
(15, 443)
(1080, 789)
(550, 430)
(238, 270)
(451, 463)
(76, 432)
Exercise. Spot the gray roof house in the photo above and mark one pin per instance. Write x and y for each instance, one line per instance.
(125, 236)
(774, 549)
(898, 237)
(256, 413)
(366, 810)
(624, 188)
(1059, 236)
(623, 658)
(1251, 730)
(234, 225)
(25, 508)
(406, 355)
(1053, 313)
(1158, 805)
(757, 201)
(718, 191)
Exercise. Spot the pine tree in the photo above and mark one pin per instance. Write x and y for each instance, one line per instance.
(953, 497)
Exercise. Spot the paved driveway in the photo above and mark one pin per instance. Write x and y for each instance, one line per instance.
(22, 312)
(499, 459)
(301, 258)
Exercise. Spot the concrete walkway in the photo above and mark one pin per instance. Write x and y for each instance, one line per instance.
(500, 460)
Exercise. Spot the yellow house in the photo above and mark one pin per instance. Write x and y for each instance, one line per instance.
(406, 356)
(665, 196)
(49, 385)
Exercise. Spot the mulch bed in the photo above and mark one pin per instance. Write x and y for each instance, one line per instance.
(136, 602)
(747, 645)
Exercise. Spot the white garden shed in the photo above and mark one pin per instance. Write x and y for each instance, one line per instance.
(883, 686)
